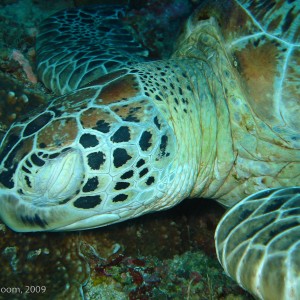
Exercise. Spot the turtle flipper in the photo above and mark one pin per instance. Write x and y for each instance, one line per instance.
(258, 243)
(78, 45)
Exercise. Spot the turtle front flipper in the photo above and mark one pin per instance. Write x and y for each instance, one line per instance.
(78, 45)
(258, 243)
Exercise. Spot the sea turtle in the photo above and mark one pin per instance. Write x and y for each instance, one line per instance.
(219, 119)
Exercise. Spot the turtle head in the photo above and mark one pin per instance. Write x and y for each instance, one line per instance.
(100, 155)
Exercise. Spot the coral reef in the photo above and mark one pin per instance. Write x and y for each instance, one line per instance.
(167, 255)
(18, 95)
(41, 266)
(17, 98)
(157, 23)
(24, 63)
(159, 256)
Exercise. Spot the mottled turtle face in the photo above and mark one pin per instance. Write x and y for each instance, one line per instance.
(97, 156)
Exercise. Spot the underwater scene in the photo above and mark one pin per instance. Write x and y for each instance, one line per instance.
(161, 255)
(167, 255)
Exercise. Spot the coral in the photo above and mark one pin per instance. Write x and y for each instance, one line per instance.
(157, 23)
(156, 256)
(16, 98)
(159, 256)
(31, 12)
(48, 260)
(20, 58)
(18, 92)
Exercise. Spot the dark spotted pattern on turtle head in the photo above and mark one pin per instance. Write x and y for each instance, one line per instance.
(89, 155)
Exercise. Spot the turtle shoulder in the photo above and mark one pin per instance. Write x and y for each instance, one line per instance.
(262, 40)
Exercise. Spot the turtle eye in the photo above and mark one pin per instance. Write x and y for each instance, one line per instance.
(54, 181)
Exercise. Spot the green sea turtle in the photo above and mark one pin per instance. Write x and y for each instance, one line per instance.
(219, 119)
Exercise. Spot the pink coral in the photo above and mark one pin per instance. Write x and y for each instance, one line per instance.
(20, 58)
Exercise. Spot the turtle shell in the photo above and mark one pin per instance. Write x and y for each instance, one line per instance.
(263, 38)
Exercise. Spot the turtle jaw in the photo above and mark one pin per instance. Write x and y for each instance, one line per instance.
(22, 216)
(25, 213)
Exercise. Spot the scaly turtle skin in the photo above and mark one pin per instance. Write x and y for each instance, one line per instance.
(219, 120)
